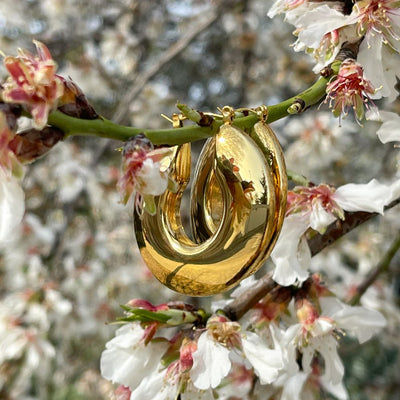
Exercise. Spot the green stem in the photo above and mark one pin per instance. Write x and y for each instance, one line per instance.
(102, 127)
(297, 178)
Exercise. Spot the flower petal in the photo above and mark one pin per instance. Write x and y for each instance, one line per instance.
(314, 31)
(338, 390)
(359, 321)
(265, 361)
(390, 128)
(320, 218)
(327, 347)
(289, 267)
(293, 386)
(150, 387)
(150, 180)
(370, 197)
(211, 363)
(127, 360)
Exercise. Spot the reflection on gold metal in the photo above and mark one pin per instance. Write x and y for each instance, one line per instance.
(238, 201)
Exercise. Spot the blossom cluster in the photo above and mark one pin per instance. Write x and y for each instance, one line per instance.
(315, 208)
(375, 22)
(34, 87)
(371, 27)
(279, 342)
(44, 315)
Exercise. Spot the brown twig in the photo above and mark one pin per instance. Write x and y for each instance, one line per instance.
(141, 80)
(383, 266)
(340, 227)
(244, 302)
(335, 231)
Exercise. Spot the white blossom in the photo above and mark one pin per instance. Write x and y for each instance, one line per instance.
(265, 361)
(127, 359)
(316, 208)
(211, 363)
(311, 29)
(293, 386)
(379, 21)
(150, 387)
(360, 322)
(222, 342)
(317, 333)
(290, 266)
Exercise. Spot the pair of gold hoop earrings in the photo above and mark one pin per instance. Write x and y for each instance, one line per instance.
(238, 202)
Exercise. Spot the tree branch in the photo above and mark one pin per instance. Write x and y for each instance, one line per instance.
(236, 309)
(102, 127)
(383, 266)
(340, 227)
(141, 80)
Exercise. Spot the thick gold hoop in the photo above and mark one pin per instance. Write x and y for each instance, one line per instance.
(237, 204)
(206, 197)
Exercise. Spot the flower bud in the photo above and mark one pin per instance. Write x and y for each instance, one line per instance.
(74, 102)
(32, 144)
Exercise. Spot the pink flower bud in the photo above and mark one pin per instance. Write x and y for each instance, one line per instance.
(122, 393)
(32, 144)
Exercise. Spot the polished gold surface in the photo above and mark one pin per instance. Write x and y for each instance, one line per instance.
(268, 143)
(238, 201)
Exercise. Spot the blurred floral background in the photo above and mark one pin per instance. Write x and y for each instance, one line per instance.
(74, 260)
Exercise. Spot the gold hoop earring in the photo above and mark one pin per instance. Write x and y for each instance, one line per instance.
(236, 208)
(206, 196)
(266, 140)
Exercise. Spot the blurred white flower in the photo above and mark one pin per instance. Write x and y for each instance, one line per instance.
(119, 47)
(12, 205)
(318, 139)
(72, 179)
(22, 343)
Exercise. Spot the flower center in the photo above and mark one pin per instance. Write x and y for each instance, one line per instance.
(376, 17)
